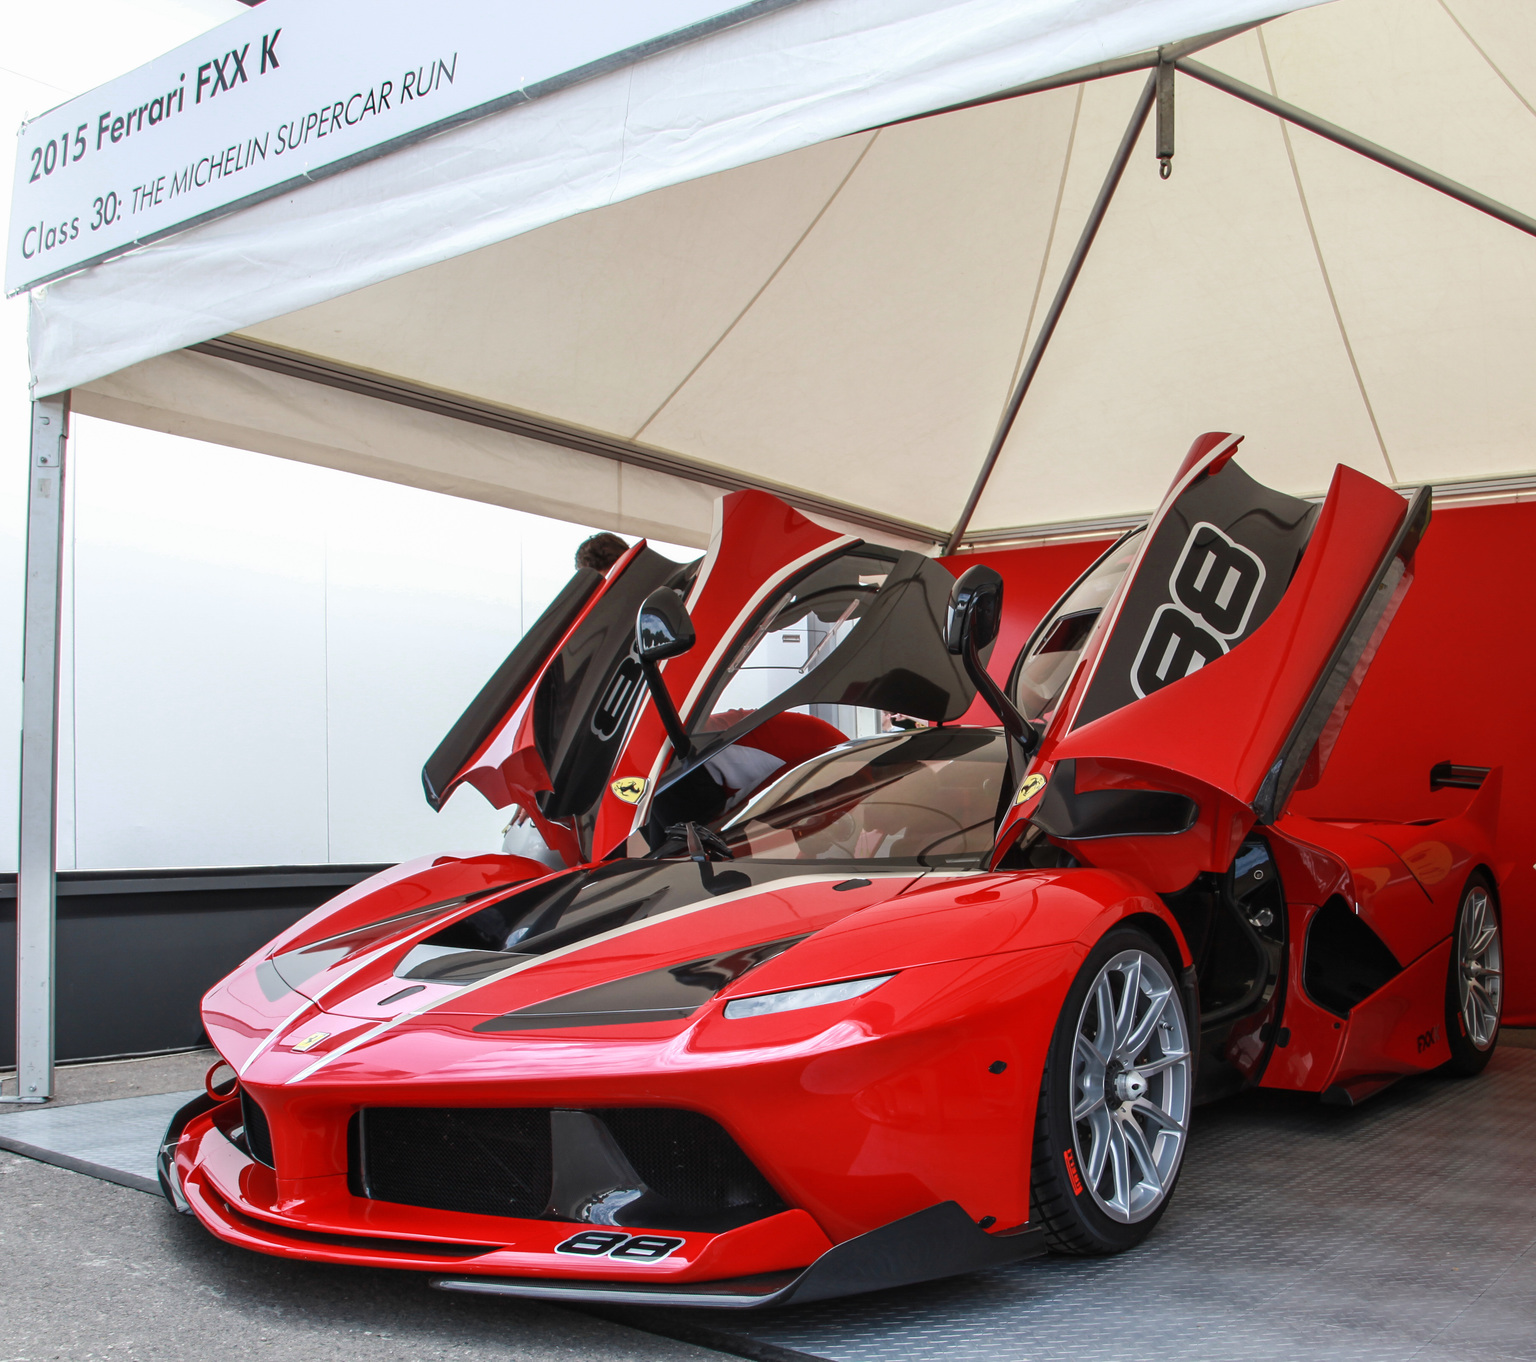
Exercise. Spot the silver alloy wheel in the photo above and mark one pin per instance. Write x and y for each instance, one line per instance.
(1479, 967)
(1132, 1080)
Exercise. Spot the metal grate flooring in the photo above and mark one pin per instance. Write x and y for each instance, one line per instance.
(116, 1140)
(1403, 1229)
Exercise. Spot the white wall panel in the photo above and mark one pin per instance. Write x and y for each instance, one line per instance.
(425, 597)
(260, 654)
(199, 672)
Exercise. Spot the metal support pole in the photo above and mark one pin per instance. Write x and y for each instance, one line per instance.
(1165, 70)
(1370, 150)
(1063, 292)
(35, 882)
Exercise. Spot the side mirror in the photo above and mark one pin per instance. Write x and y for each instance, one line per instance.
(975, 615)
(975, 610)
(662, 628)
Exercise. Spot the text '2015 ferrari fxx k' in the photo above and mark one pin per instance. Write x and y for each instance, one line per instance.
(819, 1006)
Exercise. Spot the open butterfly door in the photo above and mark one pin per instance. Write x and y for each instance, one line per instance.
(555, 711)
(1214, 680)
(789, 617)
(565, 727)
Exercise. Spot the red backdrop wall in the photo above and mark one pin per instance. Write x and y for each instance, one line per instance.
(1451, 683)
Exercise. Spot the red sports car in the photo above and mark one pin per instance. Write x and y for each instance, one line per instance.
(819, 1005)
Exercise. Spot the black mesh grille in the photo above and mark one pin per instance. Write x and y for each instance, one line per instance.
(501, 1162)
(258, 1135)
(481, 1160)
(688, 1159)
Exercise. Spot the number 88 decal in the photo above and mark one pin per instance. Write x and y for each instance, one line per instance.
(646, 1248)
(1214, 584)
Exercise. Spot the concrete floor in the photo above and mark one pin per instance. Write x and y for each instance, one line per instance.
(100, 1082)
(91, 1270)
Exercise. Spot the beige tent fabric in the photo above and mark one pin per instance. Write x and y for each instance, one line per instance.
(233, 404)
(848, 319)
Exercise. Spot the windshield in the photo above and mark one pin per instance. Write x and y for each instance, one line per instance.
(928, 797)
(797, 633)
(1041, 675)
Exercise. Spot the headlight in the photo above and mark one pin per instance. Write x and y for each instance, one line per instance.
(797, 998)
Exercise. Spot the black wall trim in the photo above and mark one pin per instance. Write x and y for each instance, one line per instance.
(91, 883)
(137, 949)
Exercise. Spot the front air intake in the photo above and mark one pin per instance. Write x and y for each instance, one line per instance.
(258, 1134)
(481, 1160)
(655, 1167)
(687, 1159)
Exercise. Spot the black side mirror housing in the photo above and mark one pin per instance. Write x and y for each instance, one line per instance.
(662, 630)
(975, 610)
(662, 627)
(975, 616)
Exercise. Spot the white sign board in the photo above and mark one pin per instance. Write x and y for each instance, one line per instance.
(295, 90)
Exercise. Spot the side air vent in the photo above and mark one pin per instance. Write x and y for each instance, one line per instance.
(1345, 960)
(656, 1168)
(258, 1134)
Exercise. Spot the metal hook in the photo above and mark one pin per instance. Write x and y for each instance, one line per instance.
(1165, 166)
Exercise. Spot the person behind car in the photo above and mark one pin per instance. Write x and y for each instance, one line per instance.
(601, 551)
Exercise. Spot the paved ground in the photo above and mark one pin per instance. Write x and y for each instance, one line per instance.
(90, 1270)
(75, 1083)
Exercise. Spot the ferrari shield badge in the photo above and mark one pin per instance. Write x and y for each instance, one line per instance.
(1030, 788)
(309, 1042)
(629, 788)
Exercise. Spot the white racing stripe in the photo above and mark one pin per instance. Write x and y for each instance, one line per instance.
(776, 886)
(428, 927)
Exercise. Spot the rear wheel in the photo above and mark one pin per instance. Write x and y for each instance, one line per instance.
(1474, 987)
(1113, 1116)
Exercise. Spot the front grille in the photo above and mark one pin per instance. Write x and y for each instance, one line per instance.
(687, 1158)
(258, 1134)
(481, 1160)
(505, 1161)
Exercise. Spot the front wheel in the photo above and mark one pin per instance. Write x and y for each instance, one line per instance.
(1113, 1116)
(1474, 988)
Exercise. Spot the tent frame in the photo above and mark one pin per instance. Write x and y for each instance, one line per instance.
(36, 899)
(36, 880)
(1160, 84)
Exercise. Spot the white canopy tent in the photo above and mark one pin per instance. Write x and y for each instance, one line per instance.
(820, 248)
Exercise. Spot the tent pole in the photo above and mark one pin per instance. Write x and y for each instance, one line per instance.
(1103, 70)
(36, 881)
(1370, 150)
(1063, 292)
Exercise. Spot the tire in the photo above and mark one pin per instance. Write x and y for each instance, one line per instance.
(1127, 1120)
(1474, 985)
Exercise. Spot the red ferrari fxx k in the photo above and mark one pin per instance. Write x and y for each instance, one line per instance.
(818, 1006)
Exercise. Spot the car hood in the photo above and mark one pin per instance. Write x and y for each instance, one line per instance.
(631, 948)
